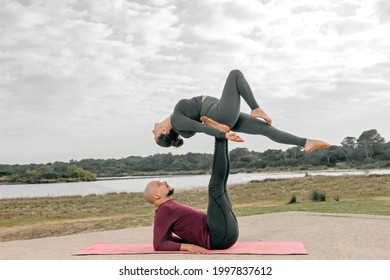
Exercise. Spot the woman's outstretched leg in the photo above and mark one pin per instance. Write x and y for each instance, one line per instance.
(250, 125)
(221, 220)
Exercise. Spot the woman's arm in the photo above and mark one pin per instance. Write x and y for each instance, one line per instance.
(182, 123)
(215, 124)
(222, 127)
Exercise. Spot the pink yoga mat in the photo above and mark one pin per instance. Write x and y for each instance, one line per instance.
(240, 248)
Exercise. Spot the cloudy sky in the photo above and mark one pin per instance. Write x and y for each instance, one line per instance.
(88, 79)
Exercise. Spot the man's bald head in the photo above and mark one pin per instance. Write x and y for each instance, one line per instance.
(150, 191)
(157, 192)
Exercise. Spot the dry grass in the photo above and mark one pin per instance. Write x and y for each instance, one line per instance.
(41, 217)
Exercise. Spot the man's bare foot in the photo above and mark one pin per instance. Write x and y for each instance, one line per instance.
(259, 113)
(312, 144)
(217, 125)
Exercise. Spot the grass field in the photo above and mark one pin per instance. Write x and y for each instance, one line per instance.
(42, 217)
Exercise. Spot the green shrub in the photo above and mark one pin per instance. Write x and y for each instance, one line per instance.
(318, 196)
(293, 200)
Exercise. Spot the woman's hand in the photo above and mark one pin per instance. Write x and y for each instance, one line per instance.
(232, 136)
(210, 122)
(193, 249)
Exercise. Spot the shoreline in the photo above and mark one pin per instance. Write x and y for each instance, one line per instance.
(130, 177)
(136, 184)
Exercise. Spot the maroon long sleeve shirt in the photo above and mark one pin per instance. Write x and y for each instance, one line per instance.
(176, 223)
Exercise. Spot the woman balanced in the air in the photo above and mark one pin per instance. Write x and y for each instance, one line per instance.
(221, 118)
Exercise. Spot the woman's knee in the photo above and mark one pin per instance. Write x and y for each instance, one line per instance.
(235, 73)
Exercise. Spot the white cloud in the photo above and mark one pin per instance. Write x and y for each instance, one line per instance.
(382, 9)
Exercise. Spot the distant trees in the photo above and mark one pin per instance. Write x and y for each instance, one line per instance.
(80, 173)
(49, 173)
(348, 147)
(371, 142)
(190, 163)
(369, 150)
(370, 146)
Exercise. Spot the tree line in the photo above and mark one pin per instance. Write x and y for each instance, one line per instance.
(369, 150)
(44, 173)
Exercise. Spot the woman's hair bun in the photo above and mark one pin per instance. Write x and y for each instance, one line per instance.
(170, 139)
(177, 142)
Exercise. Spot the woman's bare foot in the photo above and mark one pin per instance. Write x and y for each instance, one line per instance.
(259, 113)
(312, 144)
(217, 125)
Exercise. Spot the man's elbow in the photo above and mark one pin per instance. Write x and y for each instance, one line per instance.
(157, 247)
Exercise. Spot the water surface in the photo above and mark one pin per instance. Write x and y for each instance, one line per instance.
(137, 184)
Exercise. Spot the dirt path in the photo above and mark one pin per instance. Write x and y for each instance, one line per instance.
(54, 228)
(326, 236)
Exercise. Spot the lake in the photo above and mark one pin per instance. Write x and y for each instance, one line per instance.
(137, 184)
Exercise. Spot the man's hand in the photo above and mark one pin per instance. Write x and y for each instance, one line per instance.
(193, 249)
(232, 136)
(210, 122)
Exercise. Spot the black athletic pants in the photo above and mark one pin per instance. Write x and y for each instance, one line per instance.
(221, 220)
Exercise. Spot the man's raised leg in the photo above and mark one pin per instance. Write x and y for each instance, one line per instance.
(221, 220)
